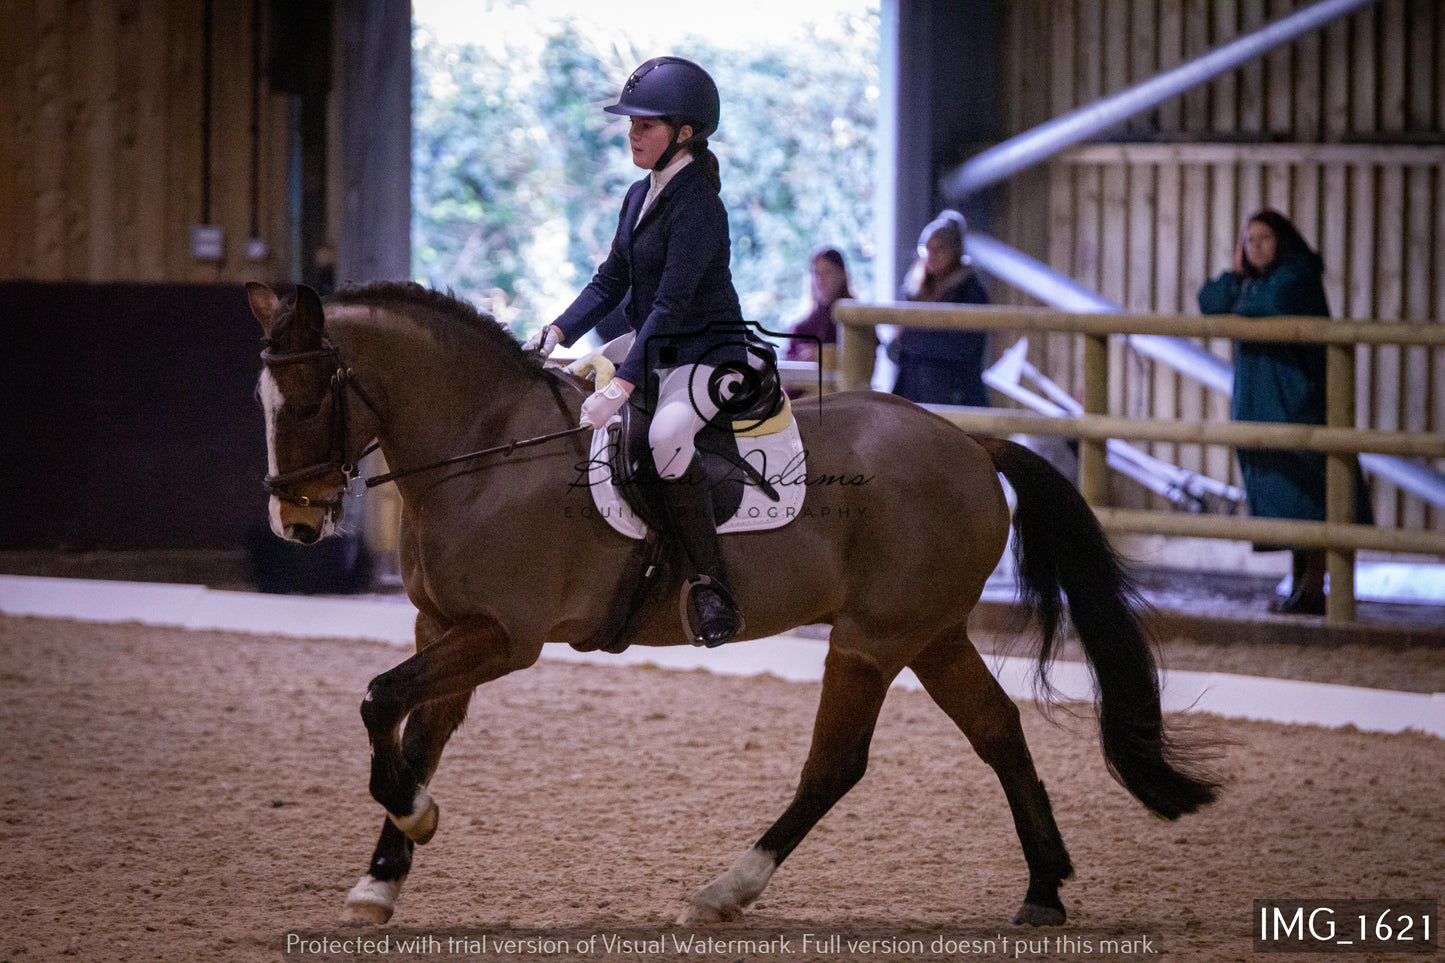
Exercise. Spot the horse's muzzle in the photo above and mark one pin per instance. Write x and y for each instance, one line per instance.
(306, 524)
(304, 534)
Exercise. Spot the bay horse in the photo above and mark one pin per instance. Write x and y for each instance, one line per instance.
(504, 558)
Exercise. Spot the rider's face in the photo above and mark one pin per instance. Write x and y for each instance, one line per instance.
(648, 138)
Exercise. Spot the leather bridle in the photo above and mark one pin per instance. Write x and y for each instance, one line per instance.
(343, 382)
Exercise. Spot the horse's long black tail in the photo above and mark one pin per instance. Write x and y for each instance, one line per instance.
(1059, 546)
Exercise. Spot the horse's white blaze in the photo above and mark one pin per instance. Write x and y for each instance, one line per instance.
(270, 393)
(271, 399)
(739, 886)
(376, 892)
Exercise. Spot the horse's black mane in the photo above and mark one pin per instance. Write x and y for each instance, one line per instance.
(409, 294)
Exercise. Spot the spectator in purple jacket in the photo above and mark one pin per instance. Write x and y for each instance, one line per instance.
(829, 286)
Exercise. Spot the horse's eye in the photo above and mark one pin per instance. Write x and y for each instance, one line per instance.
(303, 412)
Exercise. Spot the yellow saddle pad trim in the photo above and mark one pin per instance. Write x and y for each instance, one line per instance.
(771, 426)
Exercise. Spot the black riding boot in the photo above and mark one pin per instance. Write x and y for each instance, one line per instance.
(687, 505)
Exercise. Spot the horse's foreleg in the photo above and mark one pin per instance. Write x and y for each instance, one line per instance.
(853, 692)
(465, 656)
(373, 899)
(954, 674)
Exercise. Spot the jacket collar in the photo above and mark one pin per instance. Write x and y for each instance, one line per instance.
(675, 178)
(660, 179)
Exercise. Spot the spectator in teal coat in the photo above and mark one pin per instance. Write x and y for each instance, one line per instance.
(1276, 273)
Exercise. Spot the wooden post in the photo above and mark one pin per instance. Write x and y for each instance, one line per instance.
(1092, 454)
(828, 368)
(1340, 480)
(859, 348)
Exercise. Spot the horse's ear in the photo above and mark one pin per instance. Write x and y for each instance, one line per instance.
(263, 304)
(309, 320)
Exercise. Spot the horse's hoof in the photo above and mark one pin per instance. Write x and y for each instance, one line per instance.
(365, 914)
(723, 899)
(1031, 914)
(701, 914)
(421, 825)
(371, 902)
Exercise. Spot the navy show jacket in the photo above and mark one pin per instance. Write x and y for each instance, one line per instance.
(675, 263)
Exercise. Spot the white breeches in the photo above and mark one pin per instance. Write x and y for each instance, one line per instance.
(683, 407)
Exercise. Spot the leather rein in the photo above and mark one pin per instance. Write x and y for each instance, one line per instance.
(343, 380)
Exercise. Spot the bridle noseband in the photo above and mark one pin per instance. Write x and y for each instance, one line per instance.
(343, 381)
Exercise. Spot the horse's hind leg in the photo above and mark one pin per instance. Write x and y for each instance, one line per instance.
(373, 899)
(954, 674)
(853, 692)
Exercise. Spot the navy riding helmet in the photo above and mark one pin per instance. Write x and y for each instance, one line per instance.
(677, 90)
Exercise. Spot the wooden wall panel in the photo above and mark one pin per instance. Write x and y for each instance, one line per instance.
(1422, 67)
(1253, 96)
(1415, 386)
(102, 142)
(1359, 272)
(1148, 230)
(1223, 235)
(1195, 265)
(1196, 42)
(1063, 353)
(1143, 53)
(1436, 417)
(15, 44)
(1388, 260)
(1170, 53)
(231, 135)
(1164, 241)
(1336, 117)
(183, 135)
(1279, 91)
(101, 93)
(1307, 104)
(126, 153)
(51, 139)
(78, 111)
(153, 172)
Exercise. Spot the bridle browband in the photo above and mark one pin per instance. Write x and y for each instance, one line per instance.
(343, 382)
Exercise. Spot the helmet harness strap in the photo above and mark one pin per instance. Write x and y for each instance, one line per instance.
(672, 149)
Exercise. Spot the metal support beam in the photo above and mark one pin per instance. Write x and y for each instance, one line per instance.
(1002, 161)
(1035, 278)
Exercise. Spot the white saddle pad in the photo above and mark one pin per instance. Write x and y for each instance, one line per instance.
(777, 457)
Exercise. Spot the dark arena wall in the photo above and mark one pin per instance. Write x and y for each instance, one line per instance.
(129, 416)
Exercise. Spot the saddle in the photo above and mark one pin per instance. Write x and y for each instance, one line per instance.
(724, 469)
(625, 486)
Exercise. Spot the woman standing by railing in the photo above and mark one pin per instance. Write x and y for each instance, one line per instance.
(1276, 273)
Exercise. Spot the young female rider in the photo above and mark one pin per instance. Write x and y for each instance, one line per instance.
(671, 252)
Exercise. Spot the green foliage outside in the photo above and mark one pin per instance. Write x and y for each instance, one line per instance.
(518, 174)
